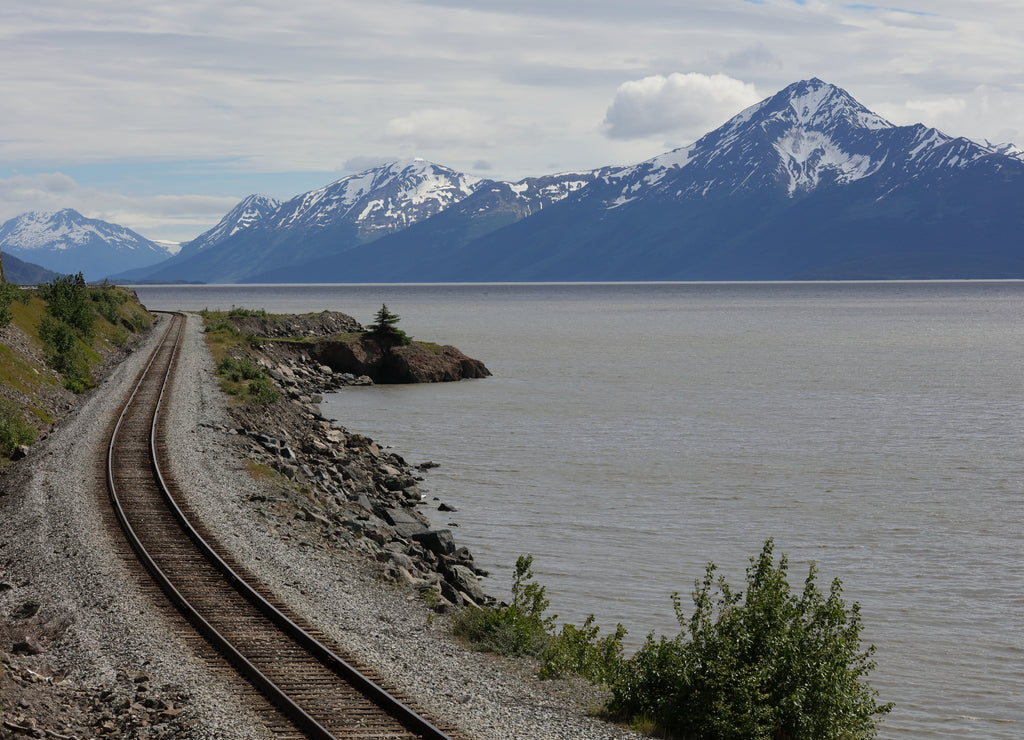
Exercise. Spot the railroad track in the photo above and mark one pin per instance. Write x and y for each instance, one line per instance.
(322, 695)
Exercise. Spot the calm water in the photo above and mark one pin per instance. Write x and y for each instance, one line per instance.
(632, 433)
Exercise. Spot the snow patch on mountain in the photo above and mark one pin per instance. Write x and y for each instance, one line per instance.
(67, 242)
(67, 229)
(817, 104)
(1008, 149)
(249, 213)
(387, 197)
(807, 154)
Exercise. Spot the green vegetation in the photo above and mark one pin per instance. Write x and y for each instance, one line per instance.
(14, 429)
(520, 629)
(68, 301)
(78, 316)
(238, 312)
(236, 370)
(244, 379)
(9, 293)
(764, 663)
(68, 325)
(65, 353)
(523, 629)
(385, 327)
(241, 377)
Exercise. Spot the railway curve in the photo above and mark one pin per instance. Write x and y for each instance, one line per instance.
(322, 695)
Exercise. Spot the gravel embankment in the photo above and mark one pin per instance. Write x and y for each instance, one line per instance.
(57, 548)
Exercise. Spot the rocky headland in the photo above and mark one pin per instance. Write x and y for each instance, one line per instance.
(361, 497)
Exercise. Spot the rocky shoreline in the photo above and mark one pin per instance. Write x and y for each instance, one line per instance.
(110, 661)
(361, 498)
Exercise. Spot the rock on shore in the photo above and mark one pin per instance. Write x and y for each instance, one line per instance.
(360, 497)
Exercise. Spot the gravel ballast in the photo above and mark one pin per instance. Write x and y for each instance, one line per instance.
(56, 553)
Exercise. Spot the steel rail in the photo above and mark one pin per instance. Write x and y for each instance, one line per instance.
(405, 715)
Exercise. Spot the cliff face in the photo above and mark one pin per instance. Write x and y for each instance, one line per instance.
(386, 363)
(418, 363)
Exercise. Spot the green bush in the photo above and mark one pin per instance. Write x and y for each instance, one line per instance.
(764, 664)
(582, 651)
(261, 391)
(9, 293)
(243, 378)
(521, 629)
(237, 370)
(107, 302)
(14, 430)
(65, 352)
(237, 312)
(67, 299)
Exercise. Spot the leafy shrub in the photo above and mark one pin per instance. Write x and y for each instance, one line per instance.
(222, 326)
(236, 312)
(243, 378)
(237, 370)
(582, 651)
(261, 391)
(9, 293)
(107, 301)
(65, 352)
(520, 629)
(761, 664)
(14, 430)
(139, 321)
(67, 299)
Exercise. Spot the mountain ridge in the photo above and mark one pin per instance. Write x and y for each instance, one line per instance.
(806, 182)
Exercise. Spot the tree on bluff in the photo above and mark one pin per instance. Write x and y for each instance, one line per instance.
(385, 327)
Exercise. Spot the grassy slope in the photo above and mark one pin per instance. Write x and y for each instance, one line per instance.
(32, 389)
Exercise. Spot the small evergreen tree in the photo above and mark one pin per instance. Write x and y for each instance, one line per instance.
(385, 326)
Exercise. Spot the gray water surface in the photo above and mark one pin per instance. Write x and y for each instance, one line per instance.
(632, 433)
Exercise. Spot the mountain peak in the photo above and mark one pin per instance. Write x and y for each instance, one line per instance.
(67, 242)
(380, 199)
(251, 211)
(817, 104)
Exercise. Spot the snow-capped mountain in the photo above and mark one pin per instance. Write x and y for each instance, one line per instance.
(379, 200)
(67, 242)
(253, 211)
(806, 183)
(330, 220)
(1007, 148)
(807, 136)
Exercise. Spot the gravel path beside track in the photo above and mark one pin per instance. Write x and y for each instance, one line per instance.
(57, 549)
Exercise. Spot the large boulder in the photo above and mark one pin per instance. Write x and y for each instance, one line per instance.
(387, 362)
(420, 363)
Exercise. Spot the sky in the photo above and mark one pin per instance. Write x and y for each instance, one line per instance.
(161, 116)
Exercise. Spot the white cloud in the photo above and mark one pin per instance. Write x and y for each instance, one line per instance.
(363, 162)
(444, 126)
(680, 103)
(970, 114)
